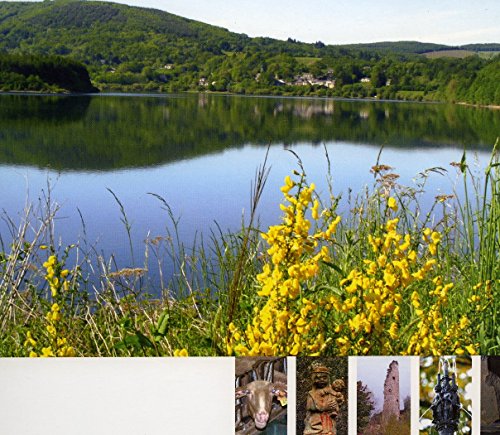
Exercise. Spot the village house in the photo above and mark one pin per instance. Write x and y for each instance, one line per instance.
(310, 80)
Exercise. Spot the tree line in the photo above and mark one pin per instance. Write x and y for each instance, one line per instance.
(137, 49)
(43, 74)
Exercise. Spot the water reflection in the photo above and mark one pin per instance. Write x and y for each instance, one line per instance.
(115, 132)
(200, 153)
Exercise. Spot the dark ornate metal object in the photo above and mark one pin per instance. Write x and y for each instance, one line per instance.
(446, 404)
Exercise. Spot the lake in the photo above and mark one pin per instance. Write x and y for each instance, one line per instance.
(200, 152)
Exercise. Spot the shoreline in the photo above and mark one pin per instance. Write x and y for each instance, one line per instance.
(309, 97)
(48, 94)
(480, 106)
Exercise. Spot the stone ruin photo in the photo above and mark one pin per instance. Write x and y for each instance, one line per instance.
(383, 396)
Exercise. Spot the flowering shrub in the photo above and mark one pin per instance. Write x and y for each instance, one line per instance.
(54, 343)
(287, 322)
(396, 297)
(393, 301)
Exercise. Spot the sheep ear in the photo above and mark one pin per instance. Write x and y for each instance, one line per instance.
(241, 392)
(279, 390)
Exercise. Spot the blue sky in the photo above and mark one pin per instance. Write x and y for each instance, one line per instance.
(452, 22)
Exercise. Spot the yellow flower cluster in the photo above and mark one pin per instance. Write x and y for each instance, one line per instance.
(433, 238)
(54, 277)
(393, 301)
(57, 345)
(433, 335)
(287, 321)
(459, 334)
(181, 352)
(373, 293)
(394, 278)
(482, 296)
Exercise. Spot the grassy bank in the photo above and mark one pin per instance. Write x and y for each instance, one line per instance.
(383, 277)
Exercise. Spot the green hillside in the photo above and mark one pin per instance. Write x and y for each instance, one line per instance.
(415, 47)
(460, 54)
(408, 47)
(43, 74)
(128, 48)
(481, 47)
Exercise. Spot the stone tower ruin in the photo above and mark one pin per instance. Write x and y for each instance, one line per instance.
(391, 392)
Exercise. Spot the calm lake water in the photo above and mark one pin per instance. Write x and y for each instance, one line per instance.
(200, 153)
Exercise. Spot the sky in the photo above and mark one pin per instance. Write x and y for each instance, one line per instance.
(372, 371)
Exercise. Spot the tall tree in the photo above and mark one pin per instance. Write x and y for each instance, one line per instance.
(365, 404)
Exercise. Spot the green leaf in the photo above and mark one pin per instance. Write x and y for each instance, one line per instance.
(135, 341)
(126, 323)
(132, 341)
(333, 266)
(162, 324)
(331, 289)
(143, 340)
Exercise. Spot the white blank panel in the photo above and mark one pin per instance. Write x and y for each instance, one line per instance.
(72, 396)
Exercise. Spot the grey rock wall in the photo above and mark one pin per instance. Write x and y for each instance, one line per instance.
(391, 392)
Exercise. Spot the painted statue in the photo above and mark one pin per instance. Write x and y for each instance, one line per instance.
(323, 402)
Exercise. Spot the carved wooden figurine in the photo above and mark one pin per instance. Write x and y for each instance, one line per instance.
(323, 402)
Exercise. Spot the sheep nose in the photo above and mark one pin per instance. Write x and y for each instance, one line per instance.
(261, 417)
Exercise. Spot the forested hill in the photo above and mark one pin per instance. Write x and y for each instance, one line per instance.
(43, 74)
(415, 47)
(138, 49)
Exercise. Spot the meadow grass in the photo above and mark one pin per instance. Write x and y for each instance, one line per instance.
(382, 277)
